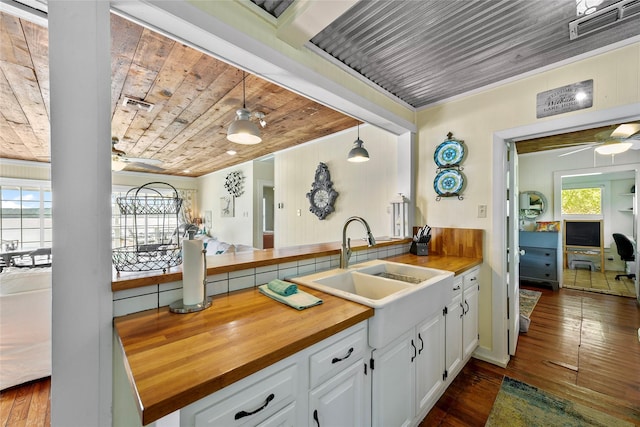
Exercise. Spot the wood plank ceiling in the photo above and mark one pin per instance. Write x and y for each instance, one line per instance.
(194, 99)
(420, 51)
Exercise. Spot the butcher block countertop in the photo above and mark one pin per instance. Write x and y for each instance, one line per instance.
(176, 359)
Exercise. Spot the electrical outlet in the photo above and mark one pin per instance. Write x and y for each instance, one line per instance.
(299, 212)
(482, 211)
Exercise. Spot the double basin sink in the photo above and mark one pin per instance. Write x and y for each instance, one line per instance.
(402, 295)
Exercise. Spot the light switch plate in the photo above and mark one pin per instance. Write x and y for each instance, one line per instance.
(482, 211)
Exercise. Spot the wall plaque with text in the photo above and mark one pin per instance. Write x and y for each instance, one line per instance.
(560, 100)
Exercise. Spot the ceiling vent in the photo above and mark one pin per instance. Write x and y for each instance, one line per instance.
(140, 105)
(603, 18)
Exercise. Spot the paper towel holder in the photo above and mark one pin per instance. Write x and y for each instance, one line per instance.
(180, 307)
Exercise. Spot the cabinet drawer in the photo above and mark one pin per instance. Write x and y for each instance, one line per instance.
(457, 286)
(334, 358)
(253, 404)
(539, 252)
(537, 272)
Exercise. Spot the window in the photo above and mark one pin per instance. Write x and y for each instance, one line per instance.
(148, 229)
(25, 217)
(582, 201)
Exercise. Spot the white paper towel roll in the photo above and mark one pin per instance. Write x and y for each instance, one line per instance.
(192, 272)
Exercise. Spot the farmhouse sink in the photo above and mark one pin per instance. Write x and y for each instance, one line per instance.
(402, 295)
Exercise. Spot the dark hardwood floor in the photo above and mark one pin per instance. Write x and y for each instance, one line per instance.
(580, 345)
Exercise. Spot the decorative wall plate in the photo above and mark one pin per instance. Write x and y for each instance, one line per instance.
(234, 183)
(449, 153)
(448, 182)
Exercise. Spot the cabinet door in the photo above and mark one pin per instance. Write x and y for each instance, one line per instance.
(470, 320)
(393, 382)
(341, 400)
(429, 363)
(453, 335)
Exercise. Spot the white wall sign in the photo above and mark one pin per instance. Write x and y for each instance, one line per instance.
(560, 100)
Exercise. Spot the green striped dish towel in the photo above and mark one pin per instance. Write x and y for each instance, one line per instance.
(300, 300)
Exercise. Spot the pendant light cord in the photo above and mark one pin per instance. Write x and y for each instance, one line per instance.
(243, 92)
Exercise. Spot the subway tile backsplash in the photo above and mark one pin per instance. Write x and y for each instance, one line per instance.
(154, 296)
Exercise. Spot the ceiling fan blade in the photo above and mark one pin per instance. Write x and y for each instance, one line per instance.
(147, 166)
(575, 151)
(625, 130)
(141, 160)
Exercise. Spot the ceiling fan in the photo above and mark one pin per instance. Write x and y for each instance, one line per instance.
(625, 136)
(120, 160)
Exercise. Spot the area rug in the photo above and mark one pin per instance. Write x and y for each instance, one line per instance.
(522, 405)
(528, 300)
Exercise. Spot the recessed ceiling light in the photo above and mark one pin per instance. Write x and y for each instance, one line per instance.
(231, 152)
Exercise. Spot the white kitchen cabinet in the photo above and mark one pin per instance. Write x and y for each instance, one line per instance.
(429, 362)
(341, 400)
(453, 336)
(339, 395)
(407, 374)
(393, 382)
(327, 379)
(263, 396)
(471, 289)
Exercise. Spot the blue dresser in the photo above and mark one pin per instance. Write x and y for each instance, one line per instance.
(539, 263)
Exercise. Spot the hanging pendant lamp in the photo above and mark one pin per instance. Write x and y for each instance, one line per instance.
(358, 153)
(243, 130)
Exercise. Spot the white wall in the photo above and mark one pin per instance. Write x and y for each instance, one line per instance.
(365, 189)
(476, 118)
(239, 228)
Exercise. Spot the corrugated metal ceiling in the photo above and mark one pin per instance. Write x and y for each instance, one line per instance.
(429, 50)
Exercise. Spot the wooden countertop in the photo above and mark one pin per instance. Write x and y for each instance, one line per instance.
(450, 263)
(175, 359)
(239, 261)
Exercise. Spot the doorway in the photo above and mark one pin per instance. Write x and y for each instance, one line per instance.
(503, 263)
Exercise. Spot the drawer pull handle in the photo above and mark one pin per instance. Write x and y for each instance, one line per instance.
(548, 265)
(315, 417)
(468, 308)
(421, 344)
(243, 414)
(415, 351)
(338, 359)
(473, 278)
(457, 288)
(462, 307)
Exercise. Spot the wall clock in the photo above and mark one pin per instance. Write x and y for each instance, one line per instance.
(322, 195)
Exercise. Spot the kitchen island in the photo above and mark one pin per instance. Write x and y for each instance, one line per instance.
(172, 360)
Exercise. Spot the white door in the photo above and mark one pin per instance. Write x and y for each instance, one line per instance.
(513, 250)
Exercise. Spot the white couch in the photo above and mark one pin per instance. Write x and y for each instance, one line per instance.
(25, 325)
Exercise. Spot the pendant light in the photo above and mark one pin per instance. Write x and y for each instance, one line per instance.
(243, 130)
(358, 153)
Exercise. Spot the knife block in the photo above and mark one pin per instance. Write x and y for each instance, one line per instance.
(419, 248)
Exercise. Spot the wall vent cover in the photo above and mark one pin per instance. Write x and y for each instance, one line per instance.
(603, 18)
(136, 103)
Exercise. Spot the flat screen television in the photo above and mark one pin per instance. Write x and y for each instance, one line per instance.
(583, 233)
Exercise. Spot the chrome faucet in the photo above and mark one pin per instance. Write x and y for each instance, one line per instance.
(345, 253)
